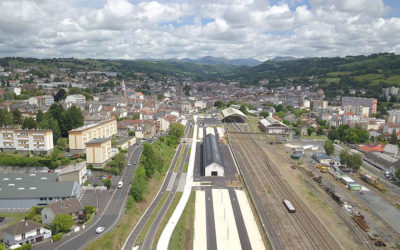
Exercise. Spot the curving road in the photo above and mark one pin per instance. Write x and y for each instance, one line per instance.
(110, 215)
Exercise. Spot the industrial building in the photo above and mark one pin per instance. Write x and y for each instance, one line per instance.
(212, 158)
(80, 136)
(233, 115)
(30, 140)
(23, 191)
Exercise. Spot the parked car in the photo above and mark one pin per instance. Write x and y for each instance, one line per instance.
(120, 184)
(99, 230)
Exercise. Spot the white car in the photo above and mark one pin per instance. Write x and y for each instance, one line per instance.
(120, 184)
(99, 230)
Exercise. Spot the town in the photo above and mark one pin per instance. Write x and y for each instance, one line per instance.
(140, 159)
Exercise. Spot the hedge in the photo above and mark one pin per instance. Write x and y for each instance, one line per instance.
(25, 247)
(57, 237)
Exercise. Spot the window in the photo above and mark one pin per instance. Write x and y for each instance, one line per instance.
(38, 231)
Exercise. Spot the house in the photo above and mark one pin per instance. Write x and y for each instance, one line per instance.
(69, 206)
(322, 158)
(75, 99)
(272, 126)
(25, 232)
(212, 158)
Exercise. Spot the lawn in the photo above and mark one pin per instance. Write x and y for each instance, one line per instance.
(178, 162)
(315, 137)
(338, 73)
(368, 77)
(142, 235)
(182, 237)
(166, 218)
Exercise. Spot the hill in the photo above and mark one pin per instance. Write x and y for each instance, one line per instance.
(222, 60)
(333, 74)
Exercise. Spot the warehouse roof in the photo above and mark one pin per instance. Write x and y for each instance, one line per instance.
(211, 151)
(233, 112)
(36, 189)
(23, 177)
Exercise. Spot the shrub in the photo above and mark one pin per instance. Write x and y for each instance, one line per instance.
(57, 237)
(25, 247)
(62, 223)
(86, 183)
(89, 209)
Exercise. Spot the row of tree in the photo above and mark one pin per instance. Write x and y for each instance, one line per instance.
(152, 160)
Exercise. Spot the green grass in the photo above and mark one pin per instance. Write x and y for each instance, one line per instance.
(166, 218)
(178, 162)
(182, 237)
(146, 227)
(185, 167)
(332, 80)
(338, 73)
(314, 136)
(368, 77)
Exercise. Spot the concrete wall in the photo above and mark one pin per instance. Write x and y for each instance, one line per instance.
(214, 167)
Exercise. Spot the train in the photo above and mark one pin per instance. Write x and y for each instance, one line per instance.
(289, 206)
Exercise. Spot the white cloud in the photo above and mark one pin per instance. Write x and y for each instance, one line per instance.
(165, 29)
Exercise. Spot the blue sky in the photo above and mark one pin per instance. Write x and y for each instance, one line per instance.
(194, 28)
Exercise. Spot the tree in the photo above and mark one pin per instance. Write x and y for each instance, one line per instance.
(397, 174)
(56, 112)
(17, 116)
(320, 131)
(136, 116)
(131, 133)
(29, 123)
(48, 122)
(310, 130)
(329, 147)
(71, 118)
(264, 113)
(333, 135)
(393, 138)
(62, 143)
(62, 223)
(107, 183)
(243, 108)
(219, 104)
(61, 95)
(6, 118)
(39, 116)
(343, 157)
(176, 130)
(354, 161)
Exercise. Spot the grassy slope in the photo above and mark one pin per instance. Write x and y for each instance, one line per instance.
(182, 237)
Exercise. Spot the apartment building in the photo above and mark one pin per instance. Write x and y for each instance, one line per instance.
(371, 103)
(35, 140)
(80, 136)
(41, 101)
(98, 151)
(76, 99)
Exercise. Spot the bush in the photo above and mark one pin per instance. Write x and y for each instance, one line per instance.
(62, 223)
(25, 247)
(33, 212)
(86, 183)
(89, 209)
(57, 237)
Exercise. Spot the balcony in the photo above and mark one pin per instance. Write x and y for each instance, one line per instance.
(33, 237)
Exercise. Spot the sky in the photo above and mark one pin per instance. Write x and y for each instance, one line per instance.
(137, 29)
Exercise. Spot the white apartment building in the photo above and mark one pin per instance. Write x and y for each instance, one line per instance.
(80, 136)
(394, 116)
(35, 140)
(98, 151)
(76, 99)
(41, 101)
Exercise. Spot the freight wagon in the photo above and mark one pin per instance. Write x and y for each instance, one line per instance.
(289, 206)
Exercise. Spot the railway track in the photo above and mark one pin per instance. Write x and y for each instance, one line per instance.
(300, 230)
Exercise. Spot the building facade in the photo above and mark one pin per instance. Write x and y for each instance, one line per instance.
(371, 103)
(80, 136)
(98, 151)
(35, 140)
(25, 232)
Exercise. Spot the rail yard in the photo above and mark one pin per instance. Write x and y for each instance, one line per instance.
(299, 230)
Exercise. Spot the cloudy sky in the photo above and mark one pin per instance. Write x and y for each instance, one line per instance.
(260, 29)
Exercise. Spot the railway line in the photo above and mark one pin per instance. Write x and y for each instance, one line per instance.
(300, 230)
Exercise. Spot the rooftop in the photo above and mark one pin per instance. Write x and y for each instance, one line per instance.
(90, 126)
(211, 151)
(98, 140)
(23, 227)
(20, 190)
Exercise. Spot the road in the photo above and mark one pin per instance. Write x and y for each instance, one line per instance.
(112, 213)
(148, 241)
(130, 241)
